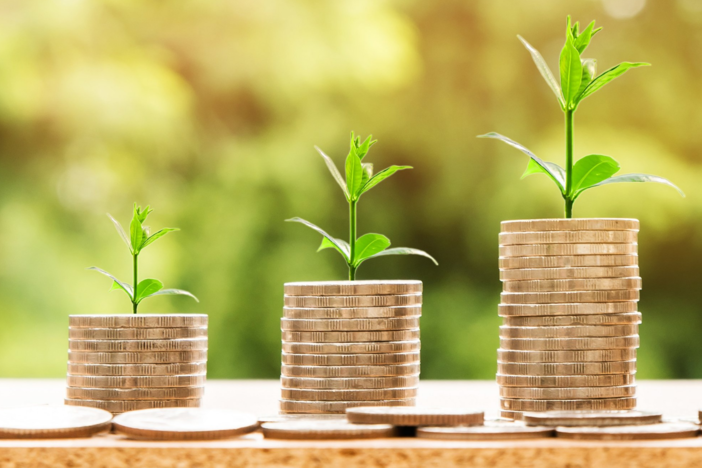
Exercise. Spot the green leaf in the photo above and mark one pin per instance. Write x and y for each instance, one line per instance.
(120, 231)
(340, 245)
(157, 235)
(544, 70)
(589, 66)
(582, 40)
(174, 292)
(354, 174)
(334, 172)
(368, 245)
(333, 240)
(147, 288)
(590, 170)
(362, 150)
(126, 287)
(404, 251)
(136, 231)
(534, 168)
(571, 72)
(639, 178)
(607, 76)
(381, 176)
(554, 171)
(367, 174)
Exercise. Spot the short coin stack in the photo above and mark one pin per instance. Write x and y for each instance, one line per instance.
(123, 363)
(570, 320)
(350, 343)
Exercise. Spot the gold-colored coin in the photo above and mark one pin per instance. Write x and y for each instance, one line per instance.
(319, 430)
(546, 250)
(573, 285)
(572, 405)
(138, 321)
(570, 224)
(571, 296)
(348, 395)
(349, 371)
(587, 308)
(350, 383)
(190, 344)
(316, 407)
(52, 422)
(122, 406)
(566, 368)
(592, 418)
(558, 344)
(135, 333)
(568, 261)
(593, 355)
(641, 432)
(569, 393)
(353, 301)
(349, 324)
(491, 430)
(163, 357)
(169, 393)
(516, 415)
(183, 368)
(568, 273)
(550, 381)
(354, 288)
(571, 320)
(143, 381)
(351, 337)
(569, 332)
(349, 359)
(352, 348)
(308, 313)
(568, 237)
(415, 416)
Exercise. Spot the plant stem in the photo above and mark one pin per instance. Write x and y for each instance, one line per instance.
(569, 163)
(134, 303)
(352, 239)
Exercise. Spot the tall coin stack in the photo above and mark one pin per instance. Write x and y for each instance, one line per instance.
(123, 363)
(570, 320)
(350, 343)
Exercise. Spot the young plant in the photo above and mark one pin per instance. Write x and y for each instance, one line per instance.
(578, 81)
(137, 240)
(359, 180)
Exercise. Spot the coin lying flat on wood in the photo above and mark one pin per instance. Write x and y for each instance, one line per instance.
(135, 333)
(349, 359)
(122, 406)
(138, 321)
(592, 355)
(580, 404)
(292, 406)
(350, 383)
(561, 224)
(349, 395)
(547, 381)
(573, 368)
(189, 344)
(568, 393)
(414, 416)
(349, 371)
(351, 312)
(545, 250)
(569, 343)
(169, 393)
(567, 261)
(349, 324)
(351, 337)
(301, 417)
(569, 296)
(348, 348)
(491, 430)
(153, 357)
(592, 418)
(143, 381)
(135, 370)
(568, 237)
(315, 429)
(353, 301)
(577, 309)
(353, 288)
(570, 320)
(568, 273)
(640, 432)
(596, 284)
(569, 332)
(52, 422)
(185, 424)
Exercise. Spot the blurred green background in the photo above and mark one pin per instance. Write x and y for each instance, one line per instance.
(209, 110)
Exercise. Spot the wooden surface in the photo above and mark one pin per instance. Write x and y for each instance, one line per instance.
(675, 398)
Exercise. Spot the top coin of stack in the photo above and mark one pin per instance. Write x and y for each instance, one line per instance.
(350, 343)
(570, 320)
(122, 363)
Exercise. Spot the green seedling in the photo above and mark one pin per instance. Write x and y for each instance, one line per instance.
(578, 81)
(359, 180)
(137, 240)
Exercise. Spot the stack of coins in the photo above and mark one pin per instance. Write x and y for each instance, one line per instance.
(350, 343)
(570, 320)
(123, 363)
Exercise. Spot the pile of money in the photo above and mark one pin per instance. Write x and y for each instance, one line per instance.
(570, 320)
(122, 363)
(350, 343)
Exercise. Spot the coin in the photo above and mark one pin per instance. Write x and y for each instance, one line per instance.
(168, 393)
(564, 261)
(135, 381)
(491, 430)
(52, 422)
(557, 344)
(572, 368)
(568, 273)
(122, 406)
(348, 395)
(301, 417)
(348, 348)
(569, 393)
(567, 332)
(641, 432)
(597, 284)
(568, 237)
(592, 418)
(183, 368)
(570, 320)
(545, 250)
(593, 355)
(587, 404)
(349, 359)
(135, 333)
(352, 312)
(163, 357)
(349, 371)
(191, 344)
(587, 308)
(350, 383)
(138, 321)
(353, 288)
(570, 296)
(415, 416)
(185, 424)
(348, 337)
(349, 324)
(542, 381)
(353, 301)
(516, 415)
(292, 406)
(306, 430)
(570, 224)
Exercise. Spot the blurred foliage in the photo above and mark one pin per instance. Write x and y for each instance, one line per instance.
(209, 111)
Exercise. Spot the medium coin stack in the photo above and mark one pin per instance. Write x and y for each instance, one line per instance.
(570, 320)
(350, 343)
(122, 363)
